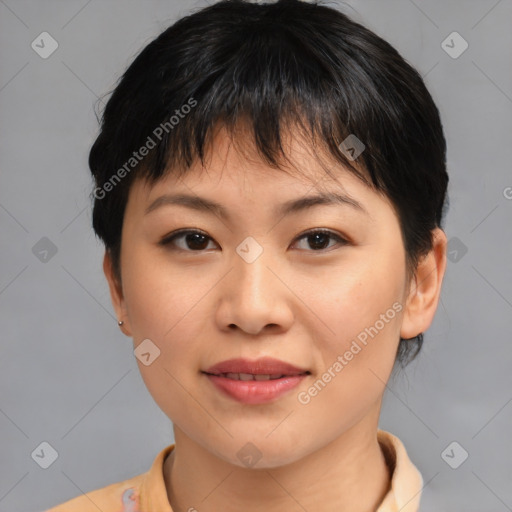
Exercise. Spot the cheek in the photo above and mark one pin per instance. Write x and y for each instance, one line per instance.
(356, 354)
(361, 312)
(160, 297)
(164, 306)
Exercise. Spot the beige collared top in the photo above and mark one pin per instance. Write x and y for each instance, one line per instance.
(147, 493)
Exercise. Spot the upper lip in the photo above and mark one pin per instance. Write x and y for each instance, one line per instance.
(262, 366)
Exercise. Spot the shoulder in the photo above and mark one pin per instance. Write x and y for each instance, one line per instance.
(142, 492)
(119, 497)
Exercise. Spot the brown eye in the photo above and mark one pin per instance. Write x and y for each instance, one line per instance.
(193, 240)
(319, 239)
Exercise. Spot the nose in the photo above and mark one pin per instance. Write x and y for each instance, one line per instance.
(254, 297)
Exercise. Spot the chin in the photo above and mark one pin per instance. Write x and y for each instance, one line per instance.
(253, 452)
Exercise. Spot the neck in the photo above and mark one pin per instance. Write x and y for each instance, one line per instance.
(349, 474)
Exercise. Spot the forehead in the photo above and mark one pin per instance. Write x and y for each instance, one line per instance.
(238, 186)
(233, 163)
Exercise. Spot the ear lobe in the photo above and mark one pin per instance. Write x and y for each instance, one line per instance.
(425, 289)
(116, 294)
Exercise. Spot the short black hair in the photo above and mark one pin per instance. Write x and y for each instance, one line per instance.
(274, 66)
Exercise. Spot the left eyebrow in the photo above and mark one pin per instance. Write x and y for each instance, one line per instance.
(292, 206)
(326, 198)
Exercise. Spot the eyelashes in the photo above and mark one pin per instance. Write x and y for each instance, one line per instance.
(199, 240)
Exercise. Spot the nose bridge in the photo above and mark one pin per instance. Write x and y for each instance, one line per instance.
(251, 270)
(251, 298)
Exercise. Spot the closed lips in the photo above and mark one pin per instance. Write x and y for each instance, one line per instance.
(250, 376)
(264, 368)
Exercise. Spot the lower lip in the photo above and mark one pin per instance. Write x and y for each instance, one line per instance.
(255, 391)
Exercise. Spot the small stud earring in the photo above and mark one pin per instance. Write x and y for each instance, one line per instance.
(120, 323)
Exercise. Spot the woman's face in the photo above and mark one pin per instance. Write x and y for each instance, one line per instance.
(255, 286)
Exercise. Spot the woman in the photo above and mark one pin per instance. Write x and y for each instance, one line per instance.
(270, 188)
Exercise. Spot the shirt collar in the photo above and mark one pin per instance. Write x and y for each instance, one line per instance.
(403, 496)
(406, 481)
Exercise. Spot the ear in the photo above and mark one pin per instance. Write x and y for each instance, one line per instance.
(116, 294)
(425, 289)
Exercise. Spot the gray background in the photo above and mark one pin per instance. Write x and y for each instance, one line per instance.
(68, 375)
